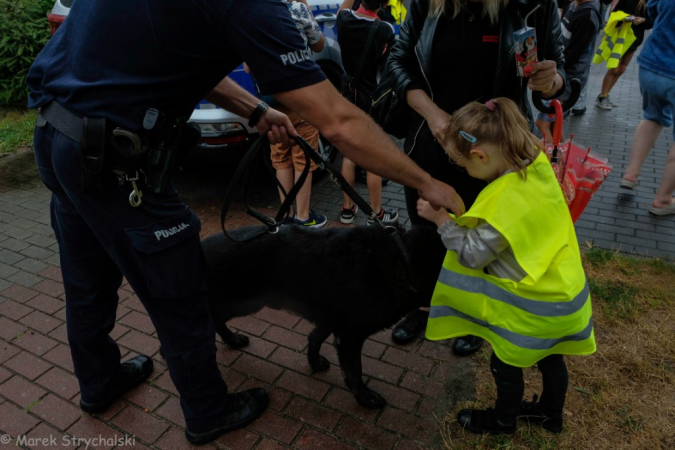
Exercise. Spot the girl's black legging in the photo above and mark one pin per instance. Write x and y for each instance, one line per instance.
(510, 387)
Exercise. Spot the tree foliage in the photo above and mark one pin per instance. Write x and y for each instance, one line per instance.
(24, 31)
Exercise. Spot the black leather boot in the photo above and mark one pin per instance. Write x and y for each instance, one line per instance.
(533, 413)
(413, 324)
(244, 407)
(484, 421)
(467, 345)
(134, 372)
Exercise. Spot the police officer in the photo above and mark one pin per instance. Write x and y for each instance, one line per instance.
(117, 80)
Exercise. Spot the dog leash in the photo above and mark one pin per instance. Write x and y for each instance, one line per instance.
(244, 177)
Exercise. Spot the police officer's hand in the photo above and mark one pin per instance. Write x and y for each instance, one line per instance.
(440, 195)
(277, 125)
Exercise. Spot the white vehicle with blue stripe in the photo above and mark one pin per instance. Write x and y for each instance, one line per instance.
(223, 130)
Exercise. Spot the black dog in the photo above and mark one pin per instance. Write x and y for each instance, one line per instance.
(384, 276)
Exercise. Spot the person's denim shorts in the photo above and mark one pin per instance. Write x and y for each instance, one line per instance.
(658, 97)
(549, 117)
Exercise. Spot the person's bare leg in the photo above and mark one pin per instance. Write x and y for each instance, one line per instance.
(285, 177)
(374, 183)
(646, 134)
(664, 195)
(349, 174)
(608, 81)
(302, 199)
(613, 75)
(545, 130)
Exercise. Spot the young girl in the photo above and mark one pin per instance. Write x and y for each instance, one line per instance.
(513, 272)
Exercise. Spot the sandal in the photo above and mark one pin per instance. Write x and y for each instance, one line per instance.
(626, 184)
(668, 210)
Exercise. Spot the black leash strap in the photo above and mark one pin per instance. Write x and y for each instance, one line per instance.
(242, 181)
(244, 177)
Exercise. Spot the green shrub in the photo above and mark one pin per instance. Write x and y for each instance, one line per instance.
(24, 30)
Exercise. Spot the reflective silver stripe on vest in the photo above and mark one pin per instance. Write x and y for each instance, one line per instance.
(610, 43)
(477, 285)
(520, 340)
(620, 40)
(615, 55)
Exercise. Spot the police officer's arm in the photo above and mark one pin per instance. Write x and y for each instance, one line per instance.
(229, 95)
(364, 142)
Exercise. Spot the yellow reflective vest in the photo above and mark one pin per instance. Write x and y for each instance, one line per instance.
(616, 41)
(549, 311)
(398, 11)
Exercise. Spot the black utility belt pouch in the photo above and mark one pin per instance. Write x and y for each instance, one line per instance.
(120, 151)
(171, 139)
(128, 152)
(93, 154)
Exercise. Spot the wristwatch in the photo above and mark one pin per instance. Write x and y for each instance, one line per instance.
(257, 113)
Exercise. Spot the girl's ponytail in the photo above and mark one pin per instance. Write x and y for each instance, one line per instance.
(498, 122)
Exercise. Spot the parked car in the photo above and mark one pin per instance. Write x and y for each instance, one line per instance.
(224, 132)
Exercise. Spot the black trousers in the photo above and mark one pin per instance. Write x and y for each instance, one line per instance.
(156, 247)
(511, 387)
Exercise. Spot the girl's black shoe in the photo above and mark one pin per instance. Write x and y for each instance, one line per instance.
(484, 421)
(532, 412)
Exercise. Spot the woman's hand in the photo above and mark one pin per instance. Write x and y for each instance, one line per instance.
(437, 119)
(544, 78)
(438, 124)
(638, 20)
(426, 211)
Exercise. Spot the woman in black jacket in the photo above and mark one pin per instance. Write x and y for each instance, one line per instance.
(452, 52)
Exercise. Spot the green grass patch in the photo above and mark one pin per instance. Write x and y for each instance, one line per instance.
(599, 256)
(16, 129)
(616, 299)
(662, 266)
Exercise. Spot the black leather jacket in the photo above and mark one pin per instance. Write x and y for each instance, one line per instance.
(410, 58)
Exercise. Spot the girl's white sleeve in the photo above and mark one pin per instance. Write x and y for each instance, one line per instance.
(476, 247)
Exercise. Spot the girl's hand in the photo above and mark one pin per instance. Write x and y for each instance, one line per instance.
(638, 20)
(426, 211)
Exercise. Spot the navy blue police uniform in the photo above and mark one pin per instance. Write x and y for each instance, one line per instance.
(116, 60)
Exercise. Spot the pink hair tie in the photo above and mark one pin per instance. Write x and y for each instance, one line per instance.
(491, 105)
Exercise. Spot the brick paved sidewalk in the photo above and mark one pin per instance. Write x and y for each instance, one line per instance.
(39, 394)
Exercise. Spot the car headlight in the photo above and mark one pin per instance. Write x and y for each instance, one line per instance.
(221, 128)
